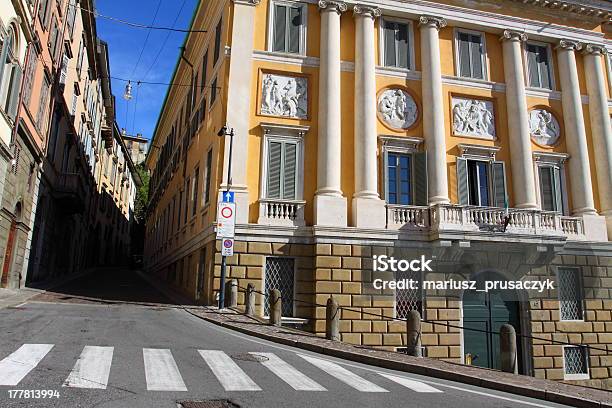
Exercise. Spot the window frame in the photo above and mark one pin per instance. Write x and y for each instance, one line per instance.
(578, 272)
(303, 30)
(549, 159)
(549, 50)
(411, 45)
(295, 281)
(483, 56)
(583, 376)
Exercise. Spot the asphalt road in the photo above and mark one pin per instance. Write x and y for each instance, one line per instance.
(128, 355)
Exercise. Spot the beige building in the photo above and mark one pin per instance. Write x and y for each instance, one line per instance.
(479, 138)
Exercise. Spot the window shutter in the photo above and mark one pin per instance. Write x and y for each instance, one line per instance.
(280, 25)
(274, 169)
(289, 171)
(295, 22)
(421, 196)
(546, 189)
(558, 191)
(532, 66)
(14, 88)
(217, 42)
(3, 51)
(403, 58)
(462, 181)
(464, 55)
(476, 54)
(389, 44)
(499, 184)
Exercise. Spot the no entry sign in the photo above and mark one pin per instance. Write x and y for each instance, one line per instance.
(226, 220)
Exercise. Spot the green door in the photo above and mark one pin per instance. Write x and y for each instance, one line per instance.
(486, 313)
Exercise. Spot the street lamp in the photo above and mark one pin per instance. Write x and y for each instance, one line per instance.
(224, 132)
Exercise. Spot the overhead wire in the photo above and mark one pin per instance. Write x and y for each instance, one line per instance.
(147, 37)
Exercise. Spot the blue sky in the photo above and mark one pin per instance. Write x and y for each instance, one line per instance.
(125, 44)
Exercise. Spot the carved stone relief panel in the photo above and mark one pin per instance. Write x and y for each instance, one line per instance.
(283, 95)
(397, 108)
(473, 118)
(544, 127)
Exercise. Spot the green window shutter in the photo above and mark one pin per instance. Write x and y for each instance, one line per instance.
(464, 55)
(289, 171)
(421, 194)
(274, 169)
(532, 65)
(13, 96)
(476, 56)
(389, 44)
(558, 190)
(547, 194)
(498, 169)
(280, 26)
(403, 57)
(462, 181)
(295, 23)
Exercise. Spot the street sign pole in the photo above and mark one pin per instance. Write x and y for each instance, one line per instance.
(227, 189)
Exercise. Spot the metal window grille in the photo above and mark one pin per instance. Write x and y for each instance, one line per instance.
(575, 360)
(570, 294)
(408, 299)
(280, 275)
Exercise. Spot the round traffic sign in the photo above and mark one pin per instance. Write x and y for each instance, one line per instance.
(227, 243)
(226, 212)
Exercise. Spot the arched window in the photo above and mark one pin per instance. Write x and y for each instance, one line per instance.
(10, 73)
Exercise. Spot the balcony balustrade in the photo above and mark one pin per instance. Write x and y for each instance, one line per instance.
(281, 212)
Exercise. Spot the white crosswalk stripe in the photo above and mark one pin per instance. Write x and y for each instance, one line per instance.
(344, 375)
(231, 377)
(91, 369)
(17, 365)
(412, 384)
(289, 374)
(161, 371)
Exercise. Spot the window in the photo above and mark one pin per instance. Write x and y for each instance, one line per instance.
(71, 16)
(470, 55)
(79, 65)
(575, 363)
(53, 39)
(408, 299)
(204, 70)
(538, 66)
(29, 75)
(187, 197)
(570, 294)
(280, 274)
(550, 188)
(42, 106)
(282, 162)
(10, 73)
(397, 42)
(481, 182)
(194, 191)
(399, 181)
(43, 13)
(217, 42)
(213, 91)
(288, 28)
(206, 195)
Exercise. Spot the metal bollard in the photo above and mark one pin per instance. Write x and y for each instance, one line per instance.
(249, 309)
(332, 320)
(276, 308)
(413, 334)
(507, 345)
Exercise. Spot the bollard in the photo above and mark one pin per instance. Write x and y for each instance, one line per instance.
(231, 293)
(276, 304)
(332, 320)
(249, 309)
(413, 334)
(507, 345)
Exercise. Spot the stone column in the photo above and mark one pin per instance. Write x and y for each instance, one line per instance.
(369, 210)
(433, 109)
(575, 134)
(239, 98)
(330, 207)
(523, 180)
(600, 127)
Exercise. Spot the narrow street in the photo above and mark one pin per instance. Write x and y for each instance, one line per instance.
(155, 354)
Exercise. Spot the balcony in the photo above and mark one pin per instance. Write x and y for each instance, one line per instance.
(70, 193)
(443, 218)
(281, 212)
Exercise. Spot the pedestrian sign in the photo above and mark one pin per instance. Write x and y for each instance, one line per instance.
(226, 220)
(227, 247)
(228, 197)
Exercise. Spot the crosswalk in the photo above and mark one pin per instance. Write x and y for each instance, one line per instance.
(92, 370)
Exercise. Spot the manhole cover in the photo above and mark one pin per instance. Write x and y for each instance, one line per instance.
(250, 357)
(208, 404)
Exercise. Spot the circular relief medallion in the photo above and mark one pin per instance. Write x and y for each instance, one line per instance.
(397, 108)
(544, 127)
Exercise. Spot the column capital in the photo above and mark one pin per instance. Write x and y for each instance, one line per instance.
(332, 5)
(595, 49)
(431, 21)
(569, 45)
(247, 2)
(366, 11)
(511, 35)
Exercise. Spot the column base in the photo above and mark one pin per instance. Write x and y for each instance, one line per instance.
(579, 212)
(369, 213)
(330, 211)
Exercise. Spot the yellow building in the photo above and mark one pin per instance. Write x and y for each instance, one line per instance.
(403, 129)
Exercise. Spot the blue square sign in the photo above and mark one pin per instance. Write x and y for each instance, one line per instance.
(228, 197)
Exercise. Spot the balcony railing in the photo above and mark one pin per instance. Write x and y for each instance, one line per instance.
(281, 212)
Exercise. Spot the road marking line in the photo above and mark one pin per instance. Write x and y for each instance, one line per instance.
(412, 384)
(161, 371)
(91, 369)
(18, 364)
(289, 374)
(344, 375)
(229, 374)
